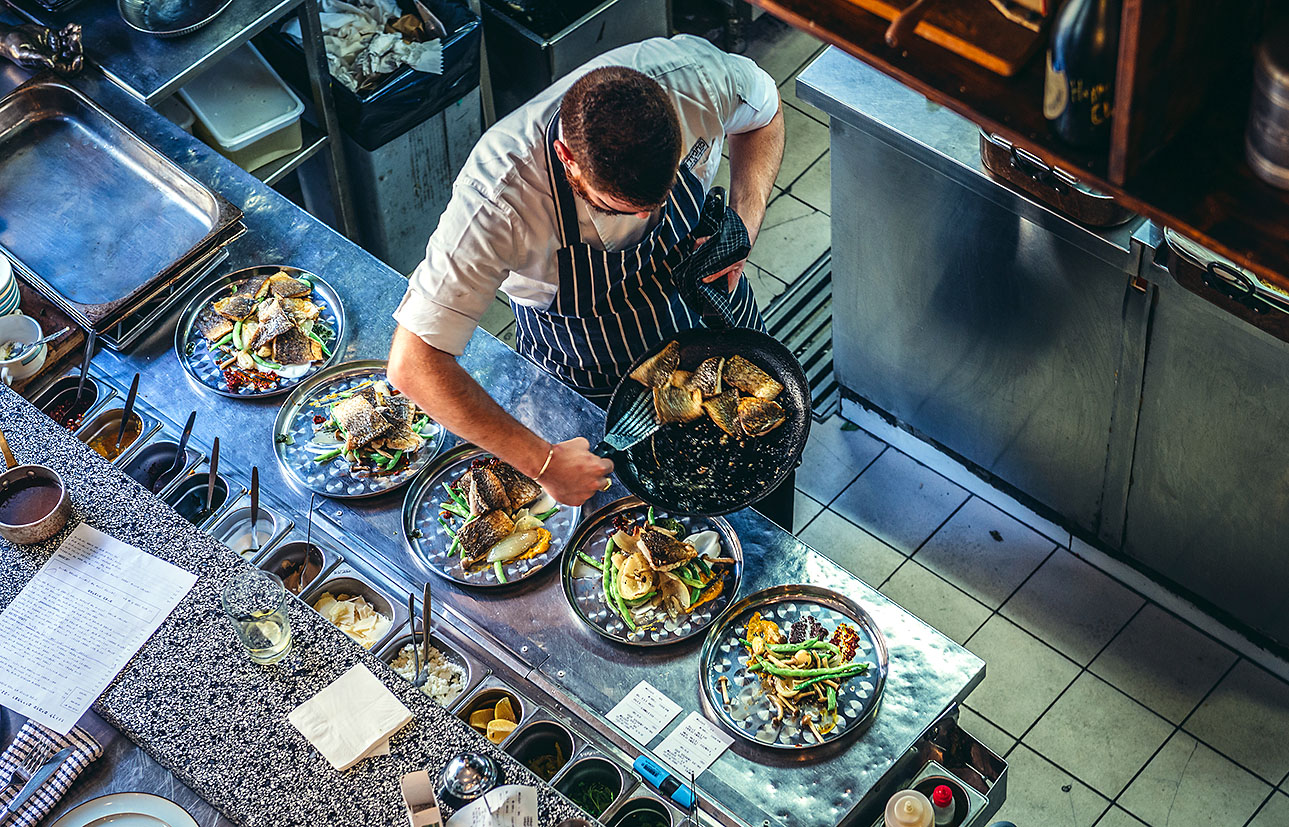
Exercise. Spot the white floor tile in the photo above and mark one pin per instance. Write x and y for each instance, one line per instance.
(1040, 794)
(984, 552)
(765, 287)
(1164, 663)
(944, 607)
(1188, 783)
(852, 548)
(937, 460)
(1072, 606)
(1118, 817)
(805, 141)
(496, 317)
(804, 509)
(1247, 718)
(1274, 813)
(1022, 675)
(779, 48)
(1099, 734)
(834, 457)
(793, 236)
(815, 185)
(899, 501)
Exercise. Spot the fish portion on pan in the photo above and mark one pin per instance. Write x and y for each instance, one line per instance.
(715, 387)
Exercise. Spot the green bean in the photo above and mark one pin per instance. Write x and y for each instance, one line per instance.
(649, 518)
(265, 362)
(332, 454)
(641, 599)
(860, 669)
(591, 561)
(792, 648)
(827, 671)
(237, 335)
(447, 527)
(694, 592)
(223, 340)
(547, 514)
(453, 508)
(456, 498)
(398, 455)
(500, 572)
(707, 570)
(832, 699)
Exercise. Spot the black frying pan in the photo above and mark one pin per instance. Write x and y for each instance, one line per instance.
(695, 467)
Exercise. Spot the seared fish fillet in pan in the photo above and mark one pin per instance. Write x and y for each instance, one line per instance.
(748, 378)
(673, 404)
(757, 417)
(723, 409)
(707, 376)
(656, 371)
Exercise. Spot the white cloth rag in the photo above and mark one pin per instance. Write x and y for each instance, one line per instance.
(359, 48)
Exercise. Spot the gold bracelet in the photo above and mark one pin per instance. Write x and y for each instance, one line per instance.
(545, 465)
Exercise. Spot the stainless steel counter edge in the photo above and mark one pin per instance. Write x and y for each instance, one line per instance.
(862, 97)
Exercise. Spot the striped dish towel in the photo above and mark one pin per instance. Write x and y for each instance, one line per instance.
(35, 737)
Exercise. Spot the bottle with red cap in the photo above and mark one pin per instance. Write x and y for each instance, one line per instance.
(943, 805)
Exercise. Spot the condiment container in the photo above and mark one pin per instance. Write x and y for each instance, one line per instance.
(244, 110)
(33, 504)
(1266, 139)
(909, 808)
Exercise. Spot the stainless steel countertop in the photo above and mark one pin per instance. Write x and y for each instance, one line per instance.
(861, 97)
(928, 672)
(153, 68)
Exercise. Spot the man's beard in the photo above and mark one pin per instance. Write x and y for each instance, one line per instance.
(579, 189)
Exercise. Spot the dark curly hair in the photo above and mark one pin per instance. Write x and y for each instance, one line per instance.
(623, 130)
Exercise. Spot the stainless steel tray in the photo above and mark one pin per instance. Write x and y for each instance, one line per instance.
(293, 430)
(202, 365)
(96, 215)
(582, 582)
(750, 714)
(429, 543)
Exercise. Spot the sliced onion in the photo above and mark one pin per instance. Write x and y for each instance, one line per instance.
(513, 546)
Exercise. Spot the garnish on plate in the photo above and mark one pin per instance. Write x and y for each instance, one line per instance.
(496, 515)
(373, 427)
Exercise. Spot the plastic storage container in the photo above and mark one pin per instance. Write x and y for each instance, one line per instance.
(178, 114)
(244, 110)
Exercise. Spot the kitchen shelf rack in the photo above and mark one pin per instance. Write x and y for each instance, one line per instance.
(1181, 100)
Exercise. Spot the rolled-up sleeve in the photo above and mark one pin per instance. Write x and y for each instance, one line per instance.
(466, 260)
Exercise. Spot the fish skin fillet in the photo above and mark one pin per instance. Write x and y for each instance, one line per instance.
(656, 370)
(749, 378)
(361, 421)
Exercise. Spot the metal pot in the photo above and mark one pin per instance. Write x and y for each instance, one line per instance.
(52, 522)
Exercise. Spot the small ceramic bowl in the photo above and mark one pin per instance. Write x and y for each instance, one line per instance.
(36, 529)
(21, 329)
(9, 295)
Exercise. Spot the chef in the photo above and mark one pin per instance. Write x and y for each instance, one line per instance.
(577, 206)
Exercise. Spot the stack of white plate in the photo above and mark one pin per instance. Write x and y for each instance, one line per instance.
(9, 296)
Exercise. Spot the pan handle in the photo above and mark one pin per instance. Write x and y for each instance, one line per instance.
(604, 450)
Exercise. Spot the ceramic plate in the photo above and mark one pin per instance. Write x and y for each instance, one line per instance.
(127, 810)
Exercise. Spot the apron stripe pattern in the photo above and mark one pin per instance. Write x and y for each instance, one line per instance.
(611, 308)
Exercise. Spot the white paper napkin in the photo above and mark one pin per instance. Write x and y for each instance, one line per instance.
(351, 719)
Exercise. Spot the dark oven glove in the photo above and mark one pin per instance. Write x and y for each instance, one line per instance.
(728, 244)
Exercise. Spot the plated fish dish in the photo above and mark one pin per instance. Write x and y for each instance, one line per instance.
(734, 393)
(495, 516)
(371, 426)
(654, 570)
(265, 329)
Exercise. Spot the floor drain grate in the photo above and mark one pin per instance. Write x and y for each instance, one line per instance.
(801, 318)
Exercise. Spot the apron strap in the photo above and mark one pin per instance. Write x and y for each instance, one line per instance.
(565, 203)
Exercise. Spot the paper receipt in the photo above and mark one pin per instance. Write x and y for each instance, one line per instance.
(644, 712)
(693, 746)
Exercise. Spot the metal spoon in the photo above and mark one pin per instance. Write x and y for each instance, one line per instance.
(91, 337)
(417, 679)
(25, 348)
(255, 508)
(180, 456)
(309, 550)
(425, 629)
(214, 474)
(129, 410)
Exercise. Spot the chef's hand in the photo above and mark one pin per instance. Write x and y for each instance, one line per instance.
(575, 474)
(731, 274)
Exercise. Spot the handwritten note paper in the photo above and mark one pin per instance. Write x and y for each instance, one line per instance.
(644, 712)
(79, 621)
(510, 805)
(693, 746)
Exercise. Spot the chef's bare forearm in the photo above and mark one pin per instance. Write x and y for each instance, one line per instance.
(754, 164)
(435, 382)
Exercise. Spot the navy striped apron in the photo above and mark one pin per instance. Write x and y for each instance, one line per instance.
(611, 308)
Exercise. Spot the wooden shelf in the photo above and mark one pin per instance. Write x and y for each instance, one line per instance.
(1177, 160)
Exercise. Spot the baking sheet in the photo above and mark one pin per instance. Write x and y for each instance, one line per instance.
(95, 214)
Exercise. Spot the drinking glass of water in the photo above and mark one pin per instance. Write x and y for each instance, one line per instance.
(256, 603)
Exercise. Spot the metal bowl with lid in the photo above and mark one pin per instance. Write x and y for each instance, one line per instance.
(169, 18)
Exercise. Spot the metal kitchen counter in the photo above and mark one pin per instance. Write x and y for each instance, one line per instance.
(928, 673)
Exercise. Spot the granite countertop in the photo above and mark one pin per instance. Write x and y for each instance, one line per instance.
(193, 699)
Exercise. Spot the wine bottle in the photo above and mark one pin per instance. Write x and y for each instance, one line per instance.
(1078, 93)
